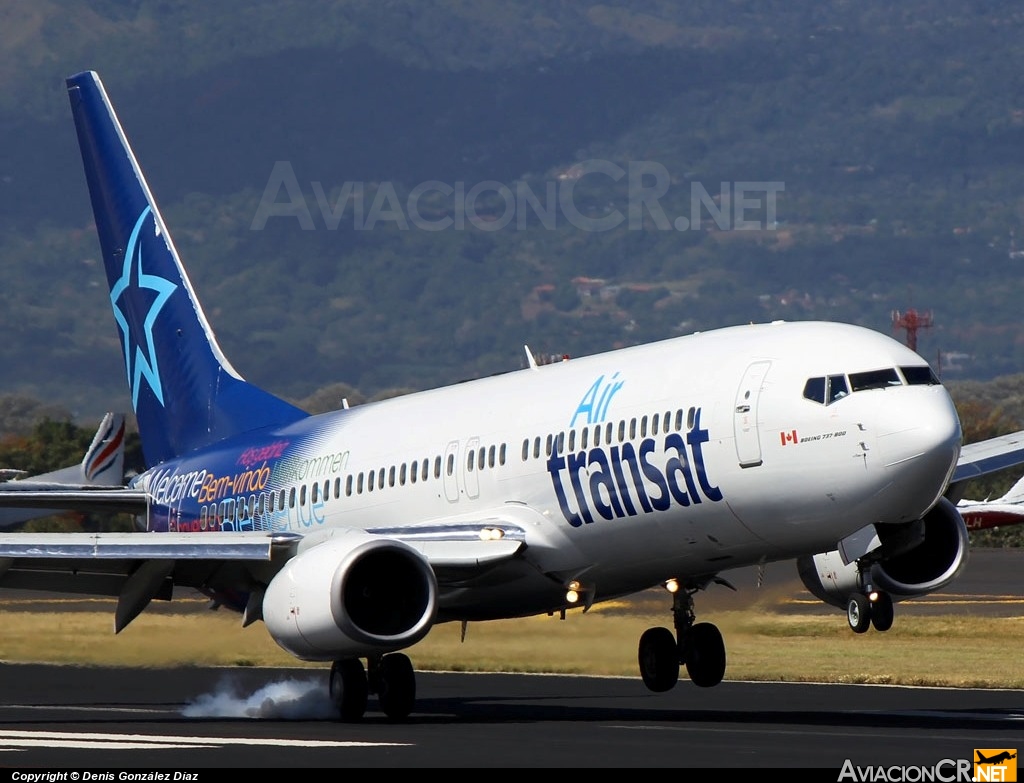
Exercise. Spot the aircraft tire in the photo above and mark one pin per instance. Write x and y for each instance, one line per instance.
(396, 688)
(658, 656)
(858, 613)
(882, 612)
(705, 655)
(349, 689)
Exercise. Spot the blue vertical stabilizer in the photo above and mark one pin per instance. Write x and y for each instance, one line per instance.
(184, 391)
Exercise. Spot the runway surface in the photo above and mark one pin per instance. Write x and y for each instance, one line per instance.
(186, 719)
(70, 718)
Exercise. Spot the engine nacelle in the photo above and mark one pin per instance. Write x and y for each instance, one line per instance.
(351, 596)
(913, 560)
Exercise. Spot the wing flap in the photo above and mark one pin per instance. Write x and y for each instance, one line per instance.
(72, 497)
(143, 546)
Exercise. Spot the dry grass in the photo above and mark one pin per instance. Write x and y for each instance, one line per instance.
(950, 650)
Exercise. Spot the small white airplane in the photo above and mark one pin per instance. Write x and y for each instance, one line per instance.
(102, 466)
(352, 534)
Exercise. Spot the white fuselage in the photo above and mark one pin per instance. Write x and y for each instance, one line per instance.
(676, 459)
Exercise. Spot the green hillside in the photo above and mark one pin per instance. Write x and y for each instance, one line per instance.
(890, 138)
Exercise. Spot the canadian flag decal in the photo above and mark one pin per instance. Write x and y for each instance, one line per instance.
(789, 437)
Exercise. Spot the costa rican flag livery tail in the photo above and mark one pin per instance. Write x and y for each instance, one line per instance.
(185, 393)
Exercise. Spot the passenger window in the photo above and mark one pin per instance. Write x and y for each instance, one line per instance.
(348, 485)
(572, 440)
(359, 484)
(583, 437)
(401, 475)
(536, 447)
(679, 419)
(451, 464)
(501, 455)
(470, 459)
(526, 450)
(597, 436)
(814, 390)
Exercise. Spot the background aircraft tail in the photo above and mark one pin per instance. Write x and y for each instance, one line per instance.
(103, 465)
(184, 391)
(1014, 494)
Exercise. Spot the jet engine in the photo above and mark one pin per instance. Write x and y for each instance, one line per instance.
(351, 596)
(901, 561)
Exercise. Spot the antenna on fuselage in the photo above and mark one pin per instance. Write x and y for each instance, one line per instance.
(530, 358)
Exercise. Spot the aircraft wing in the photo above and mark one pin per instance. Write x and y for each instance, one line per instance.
(139, 567)
(985, 457)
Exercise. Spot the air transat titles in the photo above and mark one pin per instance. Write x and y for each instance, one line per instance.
(624, 480)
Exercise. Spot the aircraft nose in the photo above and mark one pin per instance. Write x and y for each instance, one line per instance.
(919, 443)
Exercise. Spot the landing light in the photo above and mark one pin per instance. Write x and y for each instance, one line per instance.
(572, 593)
(873, 596)
(672, 585)
(491, 534)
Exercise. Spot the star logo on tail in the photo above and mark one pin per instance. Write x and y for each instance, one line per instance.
(133, 289)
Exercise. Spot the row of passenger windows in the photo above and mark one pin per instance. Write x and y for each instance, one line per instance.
(256, 507)
(831, 388)
(609, 433)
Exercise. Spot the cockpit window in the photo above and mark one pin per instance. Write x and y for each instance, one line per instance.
(837, 388)
(920, 376)
(826, 390)
(875, 379)
(814, 390)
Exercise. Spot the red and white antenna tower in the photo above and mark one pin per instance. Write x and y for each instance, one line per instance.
(911, 321)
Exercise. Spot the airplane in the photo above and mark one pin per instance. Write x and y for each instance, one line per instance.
(1004, 756)
(1008, 509)
(102, 465)
(352, 534)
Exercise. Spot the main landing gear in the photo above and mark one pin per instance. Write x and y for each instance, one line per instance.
(873, 608)
(390, 677)
(698, 646)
